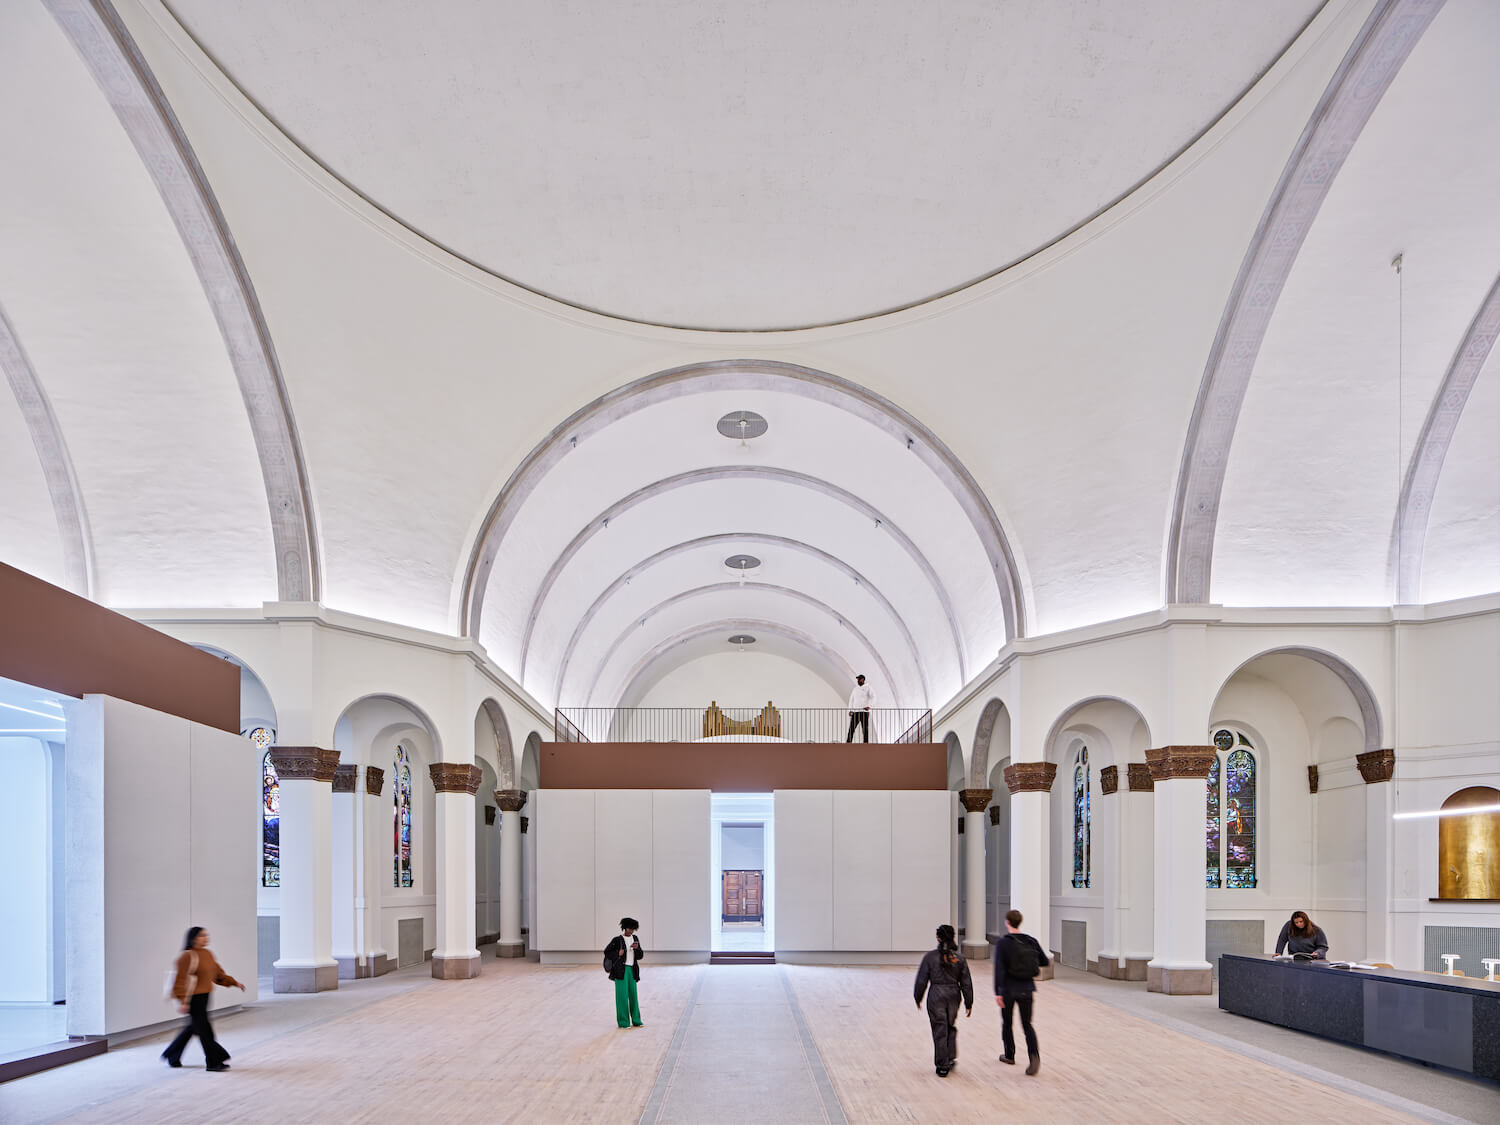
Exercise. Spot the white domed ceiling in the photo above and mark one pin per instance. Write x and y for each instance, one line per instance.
(744, 166)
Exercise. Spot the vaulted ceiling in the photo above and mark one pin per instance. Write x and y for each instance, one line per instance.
(429, 314)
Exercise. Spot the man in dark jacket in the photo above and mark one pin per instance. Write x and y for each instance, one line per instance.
(622, 957)
(1018, 959)
(945, 970)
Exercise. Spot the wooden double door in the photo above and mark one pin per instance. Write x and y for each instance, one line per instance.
(743, 901)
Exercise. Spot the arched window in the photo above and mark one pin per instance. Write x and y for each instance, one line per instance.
(270, 808)
(1468, 843)
(1082, 826)
(1231, 812)
(403, 818)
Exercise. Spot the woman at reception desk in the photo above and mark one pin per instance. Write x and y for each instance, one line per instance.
(1303, 938)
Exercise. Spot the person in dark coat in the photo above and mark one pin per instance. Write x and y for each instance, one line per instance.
(1303, 937)
(944, 977)
(1018, 960)
(622, 956)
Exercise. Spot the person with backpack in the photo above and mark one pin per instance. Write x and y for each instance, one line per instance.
(622, 961)
(197, 973)
(1018, 960)
(944, 976)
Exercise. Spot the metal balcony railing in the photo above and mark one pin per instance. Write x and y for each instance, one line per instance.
(694, 724)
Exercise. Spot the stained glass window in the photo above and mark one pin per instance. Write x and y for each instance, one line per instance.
(403, 818)
(1231, 813)
(270, 808)
(1239, 819)
(1215, 869)
(1082, 828)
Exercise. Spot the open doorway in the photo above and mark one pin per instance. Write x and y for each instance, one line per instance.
(742, 869)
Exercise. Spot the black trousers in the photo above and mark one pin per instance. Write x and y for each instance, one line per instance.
(1023, 1005)
(197, 1024)
(860, 719)
(942, 1012)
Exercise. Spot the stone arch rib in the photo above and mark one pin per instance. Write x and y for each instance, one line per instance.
(735, 538)
(1409, 537)
(755, 587)
(57, 466)
(743, 375)
(742, 472)
(110, 53)
(1366, 72)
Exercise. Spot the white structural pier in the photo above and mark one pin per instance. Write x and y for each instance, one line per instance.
(456, 956)
(976, 945)
(510, 803)
(305, 774)
(1180, 964)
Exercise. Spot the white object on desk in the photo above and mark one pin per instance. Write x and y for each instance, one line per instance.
(1490, 963)
(1450, 958)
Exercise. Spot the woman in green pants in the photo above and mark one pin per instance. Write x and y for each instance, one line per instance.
(622, 957)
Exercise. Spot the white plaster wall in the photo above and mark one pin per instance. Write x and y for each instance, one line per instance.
(153, 849)
(680, 868)
(25, 938)
(804, 891)
(747, 679)
(918, 857)
(862, 900)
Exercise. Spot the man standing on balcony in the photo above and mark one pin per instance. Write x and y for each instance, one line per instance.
(860, 701)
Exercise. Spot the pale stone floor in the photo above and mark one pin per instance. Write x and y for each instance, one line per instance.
(724, 1044)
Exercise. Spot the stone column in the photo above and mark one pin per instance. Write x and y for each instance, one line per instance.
(455, 957)
(1108, 862)
(345, 855)
(373, 874)
(1030, 785)
(976, 945)
(1378, 767)
(1179, 965)
(306, 963)
(510, 801)
(1137, 870)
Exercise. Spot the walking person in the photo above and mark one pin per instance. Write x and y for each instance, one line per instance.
(622, 959)
(861, 699)
(944, 977)
(1018, 960)
(197, 973)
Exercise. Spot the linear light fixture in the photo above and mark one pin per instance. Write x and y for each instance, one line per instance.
(29, 711)
(1446, 812)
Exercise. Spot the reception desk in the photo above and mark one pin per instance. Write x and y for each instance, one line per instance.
(1447, 1021)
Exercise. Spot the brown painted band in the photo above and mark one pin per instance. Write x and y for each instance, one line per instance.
(742, 767)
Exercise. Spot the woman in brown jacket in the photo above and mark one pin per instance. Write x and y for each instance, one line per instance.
(197, 973)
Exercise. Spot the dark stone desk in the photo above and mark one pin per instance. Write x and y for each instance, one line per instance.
(1448, 1021)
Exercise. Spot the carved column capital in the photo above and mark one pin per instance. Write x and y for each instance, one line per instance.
(489, 814)
(454, 777)
(344, 777)
(525, 823)
(1376, 765)
(510, 800)
(1030, 777)
(1138, 777)
(994, 816)
(1170, 763)
(1109, 779)
(374, 780)
(1312, 779)
(304, 763)
(976, 800)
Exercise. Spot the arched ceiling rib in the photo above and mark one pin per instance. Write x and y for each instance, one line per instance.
(1368, 69)
(736, 541)
(965, 143)
(107, 49)
(56, 466)
(1423, 473)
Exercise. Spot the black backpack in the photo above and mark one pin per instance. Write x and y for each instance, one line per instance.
(609, 961)
(1021, 960)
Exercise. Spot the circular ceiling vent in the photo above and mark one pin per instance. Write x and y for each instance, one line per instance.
(742, 639)
(742, 425)
(742, 563)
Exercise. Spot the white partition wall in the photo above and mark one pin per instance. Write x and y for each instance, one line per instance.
(602, 854)
(157, 842)
(863, 875)
(804, 885)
